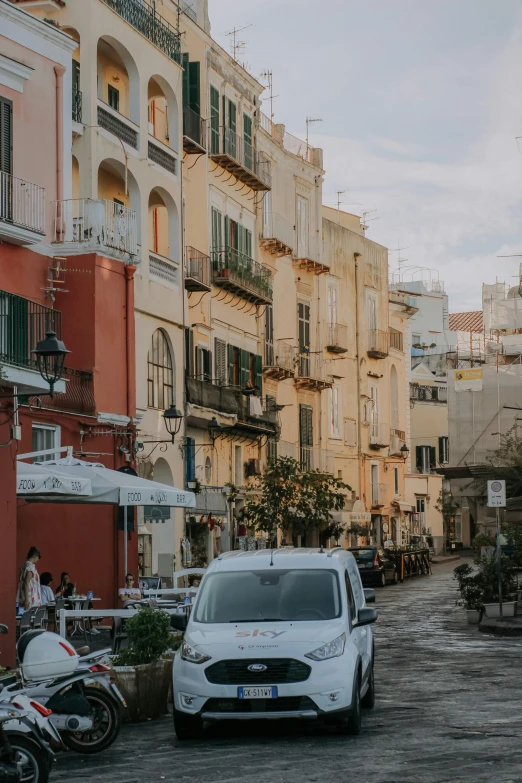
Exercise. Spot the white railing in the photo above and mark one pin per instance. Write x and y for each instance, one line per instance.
(379, 434)
(297, 147)
(312, 365)
(266, 123)
(279, 229)
(286, 449)
(100, 223)
(310, 250)
(22, 203)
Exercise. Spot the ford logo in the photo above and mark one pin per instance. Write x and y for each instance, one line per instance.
(257, 667)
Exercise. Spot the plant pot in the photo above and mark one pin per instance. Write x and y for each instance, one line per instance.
(473, 616)
(493, 610)
(145, 688)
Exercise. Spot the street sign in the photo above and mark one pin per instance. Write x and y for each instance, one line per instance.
(361, 517)
(496, 494)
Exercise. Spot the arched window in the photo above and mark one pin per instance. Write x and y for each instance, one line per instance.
(160, 372)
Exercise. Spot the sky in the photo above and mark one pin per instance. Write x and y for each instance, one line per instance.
(421, 104)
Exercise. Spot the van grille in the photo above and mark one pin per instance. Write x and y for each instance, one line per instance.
(278, 671)
(284, 704)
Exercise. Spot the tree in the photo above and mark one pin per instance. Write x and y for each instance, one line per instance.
(447, 507)
(293, 500)
(507, 456)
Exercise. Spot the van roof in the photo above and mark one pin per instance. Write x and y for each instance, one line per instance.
(281, 558)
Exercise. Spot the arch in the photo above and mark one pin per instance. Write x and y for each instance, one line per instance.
(394, 399)
(111, 186)
(117, 69)
(167, 131)
(75, 169)
(160, 372)
(162, 472)
(164, 229)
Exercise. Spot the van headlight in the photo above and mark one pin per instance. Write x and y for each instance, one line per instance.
(188, 653)
(331, 650)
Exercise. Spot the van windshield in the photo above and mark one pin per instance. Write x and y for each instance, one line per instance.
(274, 595)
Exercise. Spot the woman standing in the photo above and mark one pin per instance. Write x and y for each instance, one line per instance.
(28, 594)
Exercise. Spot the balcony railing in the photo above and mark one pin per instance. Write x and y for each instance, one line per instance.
(241, 274)
(377, 343)
(336, 338)
(396, 339)
(78, 396)
(77, 105)
(197, 270)
(397, 441)
(142, 15)
(98, 224)
(278, 235)
(194, 131)
(316, 459)
(298, 147)
(118, 125)
(230, 400)
(235, 154)
(379, 435)
(166, 270)
(408, 302)
(280, 360)
(311, 371)
(22, 203)
(163, 157)
(22, 324)
(379, 494)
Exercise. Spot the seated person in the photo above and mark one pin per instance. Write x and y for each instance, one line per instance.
(129, 593)
(66, 587)
(45, 589)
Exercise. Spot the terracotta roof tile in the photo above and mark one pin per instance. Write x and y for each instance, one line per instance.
(467, 322)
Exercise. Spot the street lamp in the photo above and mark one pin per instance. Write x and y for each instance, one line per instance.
(50, 358)
(214, 430)
(404, 451)
(172, 418)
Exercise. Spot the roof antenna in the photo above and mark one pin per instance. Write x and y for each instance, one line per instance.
(321, 551)
(271, 557)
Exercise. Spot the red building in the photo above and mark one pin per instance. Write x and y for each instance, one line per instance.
(90, 305)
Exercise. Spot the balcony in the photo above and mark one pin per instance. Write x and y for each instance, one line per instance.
(422, 393)
(311, 372)
(320, 460)
(239, 273)
(397, 441)
(377, 344)
(203, 395)
(78, 396)
(194, 132)
(22, 211)
(278, 235)
(336, 338)
(100, 226)
(197, 270)
(142, 15)
(307, 255)
(163, 156)
(22, 324)
(163, 269)
(396, 339)
(379, 494)
(280, 360)
(77, 105)
(405, 301)
(379, 435)
(239, 157)
(114, 122)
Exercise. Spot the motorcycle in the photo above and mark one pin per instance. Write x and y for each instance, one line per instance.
(83, 699)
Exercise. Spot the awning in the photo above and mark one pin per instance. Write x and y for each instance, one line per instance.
(111, 486)
(403, 506)
(34, 480)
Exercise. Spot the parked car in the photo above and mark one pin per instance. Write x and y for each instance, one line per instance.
(375, 568)
(277, 634)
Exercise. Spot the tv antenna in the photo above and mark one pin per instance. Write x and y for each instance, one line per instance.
(309, 121)
(270, 86)
(236, 45)
(400, 260)
(344, 203)
(365, 219)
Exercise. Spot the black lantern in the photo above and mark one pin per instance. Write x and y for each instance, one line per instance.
(173, 418)
(214, 429)
(50, 358)
(404, 451)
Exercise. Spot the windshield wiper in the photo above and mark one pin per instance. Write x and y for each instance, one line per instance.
(260, 620)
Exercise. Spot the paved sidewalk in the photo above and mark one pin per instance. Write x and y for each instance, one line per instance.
(448, 709)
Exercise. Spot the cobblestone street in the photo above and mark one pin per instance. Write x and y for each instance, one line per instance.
(448, 709)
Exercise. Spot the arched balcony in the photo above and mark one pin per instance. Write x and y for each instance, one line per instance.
(163, 119)
(118, 91)
(164, 238)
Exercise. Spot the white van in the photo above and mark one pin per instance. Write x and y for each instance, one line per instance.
(280, 633)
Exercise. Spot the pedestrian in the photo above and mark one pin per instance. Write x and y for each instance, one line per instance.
(46, 590)
(28, 595)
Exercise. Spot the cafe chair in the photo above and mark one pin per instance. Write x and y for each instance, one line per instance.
(26, 621)
(40, 619)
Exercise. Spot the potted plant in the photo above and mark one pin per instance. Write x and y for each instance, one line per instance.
(471, 592)
(142, 671)
(488, 579)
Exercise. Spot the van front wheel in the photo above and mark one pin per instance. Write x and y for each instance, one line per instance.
(187, 727)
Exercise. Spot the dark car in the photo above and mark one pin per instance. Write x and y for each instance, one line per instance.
(374, 567)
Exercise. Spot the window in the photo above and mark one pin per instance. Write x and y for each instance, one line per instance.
(113, 98)
(372, 320)
(306, 436)
(247, 146)
(214, 121)
(208, 470)
(203, 364)
(332, 306)
(269, 336)
(374, 412)
(396, 481)
(374, 476)
(303, 331)
(271, 451)
(234, 365)
(443, 449)
(421, 505)
(425, 458)
(220, 353)
(160, 372)
(415, 339)
(189, 352)
(303, 228)
(45, 436)
(217, 230)
(191, 92)
(335, 418)
(6, 136)
(238, 466)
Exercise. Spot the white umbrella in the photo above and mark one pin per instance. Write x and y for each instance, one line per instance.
(34, 480)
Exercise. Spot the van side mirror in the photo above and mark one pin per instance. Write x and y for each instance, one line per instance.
(365, 617)
(369, 595)
(178, 622)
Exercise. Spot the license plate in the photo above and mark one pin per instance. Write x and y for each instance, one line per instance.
(269, 692)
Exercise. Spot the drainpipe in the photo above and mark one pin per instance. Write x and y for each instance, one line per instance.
(59, 71)
(362, 488)
(130, 341)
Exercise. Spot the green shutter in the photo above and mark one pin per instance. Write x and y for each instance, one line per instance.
(194, 100)
(214, 121)
(258, 373)
(6, 140)
(418, 458)
(76, 75)
(248, 243)
(433, 457)
(189, 353)
(220, 353)
(227, 232)
(306, 434)
(244, 368)
(230, 350)
(185, 84)
(248, 154)
(232, 116)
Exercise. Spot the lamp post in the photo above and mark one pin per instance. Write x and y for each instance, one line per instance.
(173, 419)
(214, 430)
(50, 358)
